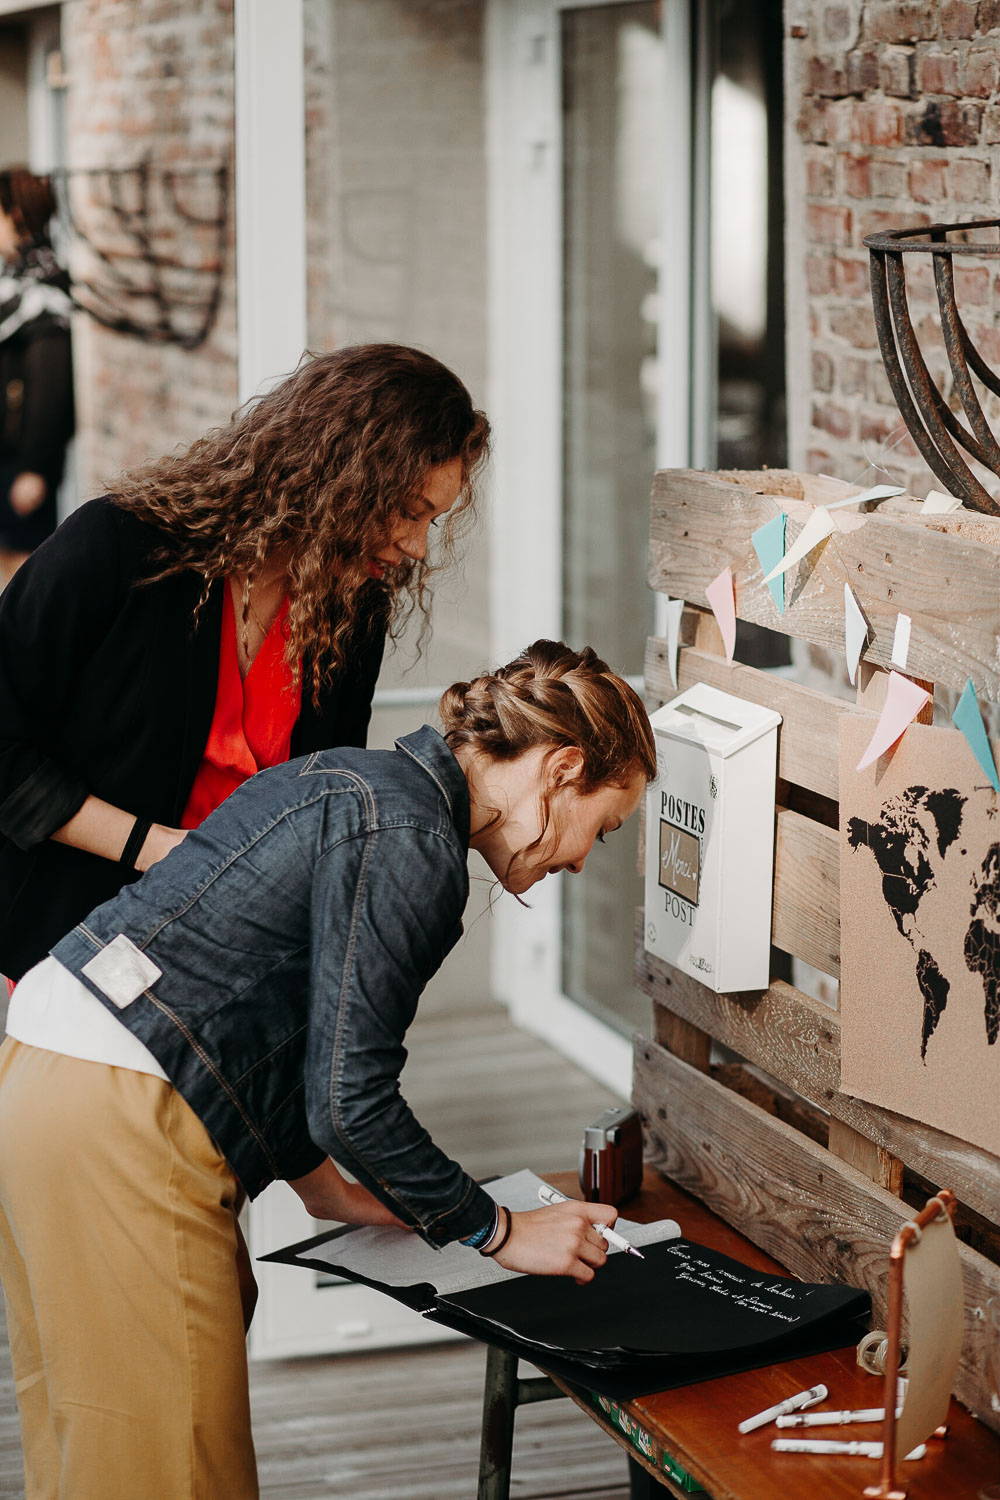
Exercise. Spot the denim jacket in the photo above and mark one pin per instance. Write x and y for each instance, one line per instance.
(273, 962)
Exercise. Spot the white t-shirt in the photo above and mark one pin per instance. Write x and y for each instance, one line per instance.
(52, 1009)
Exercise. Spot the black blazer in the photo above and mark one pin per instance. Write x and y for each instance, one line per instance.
(109, 688)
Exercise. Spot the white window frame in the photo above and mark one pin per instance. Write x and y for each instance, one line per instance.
(525, 383)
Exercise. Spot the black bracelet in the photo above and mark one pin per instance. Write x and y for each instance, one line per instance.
(506, 1234)
(134, 842)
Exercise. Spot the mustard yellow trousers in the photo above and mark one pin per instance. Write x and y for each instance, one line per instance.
(118, 1263)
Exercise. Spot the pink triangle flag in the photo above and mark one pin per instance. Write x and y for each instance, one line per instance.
(721, 597)
(903, 701)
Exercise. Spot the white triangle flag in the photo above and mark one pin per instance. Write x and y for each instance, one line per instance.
(877, 492)
(855, 631)
(675, 608)
(938, 503)
(901, 642)
(817, 528)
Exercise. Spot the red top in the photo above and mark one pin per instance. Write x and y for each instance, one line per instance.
(253, 720)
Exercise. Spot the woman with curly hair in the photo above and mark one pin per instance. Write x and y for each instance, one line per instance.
(222, 610)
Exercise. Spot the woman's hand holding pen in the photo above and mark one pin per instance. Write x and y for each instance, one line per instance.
(558, 1241)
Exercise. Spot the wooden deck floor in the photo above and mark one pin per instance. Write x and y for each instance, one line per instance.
(405, 1425)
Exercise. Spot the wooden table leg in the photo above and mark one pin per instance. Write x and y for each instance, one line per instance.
(499, 1403)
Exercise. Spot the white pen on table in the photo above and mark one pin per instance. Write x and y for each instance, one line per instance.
(551, 1195)
(828, 1445)
(835, 1418)
(798, 1402)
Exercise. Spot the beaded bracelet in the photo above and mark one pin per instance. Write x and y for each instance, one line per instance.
(506, 1234)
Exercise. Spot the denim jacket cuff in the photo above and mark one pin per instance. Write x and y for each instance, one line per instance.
(476, 1209)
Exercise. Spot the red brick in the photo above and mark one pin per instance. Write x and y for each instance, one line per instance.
(944, 123)
(826, 77)
(876, 122)
(958, 18)
(929, 181)
(837, 23)
(878, 426)
(821, 274)
(970, 183)
(972, 284)
(988, 16)
(991, 125)
(828, 224)
(980, 73)
(818, 461)
(987, 341)
(878, 220)
(862, 71)
(835, 420)
(897, 71)
(857, 182)
(852, 375)
(909, 21)
(822, 371)
(888, 178)
(856, 325)
(939, 73)
(852, 277)
(819, 177)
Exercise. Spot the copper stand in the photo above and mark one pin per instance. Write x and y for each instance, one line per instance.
(888, 1488)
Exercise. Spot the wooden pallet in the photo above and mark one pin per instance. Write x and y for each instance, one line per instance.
(818, 1179)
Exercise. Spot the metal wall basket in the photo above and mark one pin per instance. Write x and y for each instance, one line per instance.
(933, 425)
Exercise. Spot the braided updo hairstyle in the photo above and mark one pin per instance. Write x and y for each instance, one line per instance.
(554, 696)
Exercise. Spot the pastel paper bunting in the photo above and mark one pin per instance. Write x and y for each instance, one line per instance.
(938, 503)
(769, 545)
(721, 597)
(675, 608)
(855, 631)
(901, 642)
(817, 528)
(903, 701)
(877, 492)
(968, 718)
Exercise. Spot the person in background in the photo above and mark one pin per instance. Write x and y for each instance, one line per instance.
(238, 1015)
(36, 372)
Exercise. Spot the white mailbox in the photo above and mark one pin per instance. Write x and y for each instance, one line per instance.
(710, 838)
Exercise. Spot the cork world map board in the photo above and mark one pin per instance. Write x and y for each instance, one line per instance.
(920, 931)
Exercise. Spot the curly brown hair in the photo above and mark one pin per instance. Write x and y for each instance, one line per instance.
(323, 465)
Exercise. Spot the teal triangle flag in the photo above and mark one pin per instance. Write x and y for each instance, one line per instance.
(968, 718)
(769, 545)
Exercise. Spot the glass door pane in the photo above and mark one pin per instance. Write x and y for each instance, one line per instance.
(613, 173)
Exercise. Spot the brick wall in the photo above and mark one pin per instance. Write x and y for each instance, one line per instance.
(893, 121)
(150, 79)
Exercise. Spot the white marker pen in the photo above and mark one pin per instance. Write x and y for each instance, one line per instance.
(793, 1403)
(835, 1418)
(827, 1445)
(617, 1241)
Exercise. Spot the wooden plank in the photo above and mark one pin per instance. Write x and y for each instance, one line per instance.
(808, 736)
(685, 1041)
(805, 915)
(796, 1039)
(819, 1216)
(946, 580)
(873, 1160)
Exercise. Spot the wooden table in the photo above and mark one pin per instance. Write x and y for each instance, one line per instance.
(695, 1426)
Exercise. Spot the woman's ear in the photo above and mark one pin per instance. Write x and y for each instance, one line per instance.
(565, 765)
